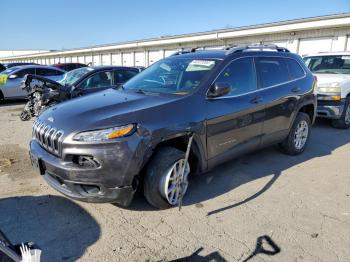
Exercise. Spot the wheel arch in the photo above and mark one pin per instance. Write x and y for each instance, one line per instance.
(180, 141)
(310, 110)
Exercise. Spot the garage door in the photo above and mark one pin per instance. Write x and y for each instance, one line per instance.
(81, 59)
(117, 59)
(154, 56)
(127, 59)
(106, 59)
(315, 45)
(88, 59)
(97, 60)
(139, 59)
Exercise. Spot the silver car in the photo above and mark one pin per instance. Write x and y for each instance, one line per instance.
(10, 79)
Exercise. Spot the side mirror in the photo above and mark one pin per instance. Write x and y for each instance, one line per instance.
(219, 89)
(76, 91)
(12, 76)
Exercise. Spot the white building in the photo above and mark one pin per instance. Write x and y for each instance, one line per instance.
(303, 36)
(9, 53)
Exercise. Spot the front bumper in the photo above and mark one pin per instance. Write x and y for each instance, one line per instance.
(330, 109)
(113, 181)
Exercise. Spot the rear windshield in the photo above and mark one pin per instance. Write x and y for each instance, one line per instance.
(337, 64)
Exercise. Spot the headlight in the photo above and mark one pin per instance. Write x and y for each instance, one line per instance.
(329, 89)
(104, 134)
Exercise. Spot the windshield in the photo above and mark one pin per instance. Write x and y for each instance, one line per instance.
(8, 71)
(72, 76)
(172, 75)
(337, 64)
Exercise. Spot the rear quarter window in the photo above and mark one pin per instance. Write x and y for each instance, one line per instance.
(295, 69)
(272, 71)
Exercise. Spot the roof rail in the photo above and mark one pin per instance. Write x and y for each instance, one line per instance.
(192, 50)
(238, 49)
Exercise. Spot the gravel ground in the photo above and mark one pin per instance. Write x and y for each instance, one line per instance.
(262, 207)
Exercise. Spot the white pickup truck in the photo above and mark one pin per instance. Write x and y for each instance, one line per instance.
(333, 86)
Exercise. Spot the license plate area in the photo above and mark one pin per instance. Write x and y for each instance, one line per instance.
(37, 163)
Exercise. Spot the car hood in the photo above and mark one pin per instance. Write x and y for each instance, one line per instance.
(104, 109)
(325, 79)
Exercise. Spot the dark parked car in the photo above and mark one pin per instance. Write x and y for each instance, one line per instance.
(43, 92)
(215, 105)
(88, 80)
(69, 66)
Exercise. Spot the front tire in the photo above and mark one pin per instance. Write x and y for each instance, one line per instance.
(162, 182)
(344, 121)
(298, 136)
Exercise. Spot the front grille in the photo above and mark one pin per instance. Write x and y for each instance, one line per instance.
(48, 137)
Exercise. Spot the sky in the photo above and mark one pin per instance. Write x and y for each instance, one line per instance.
(63, 24)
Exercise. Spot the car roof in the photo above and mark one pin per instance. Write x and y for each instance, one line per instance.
(68, 64)
(111, 67)
(329, 54)
(36, 66)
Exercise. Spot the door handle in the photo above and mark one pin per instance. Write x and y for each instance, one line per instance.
(256, 100)
(296, 89)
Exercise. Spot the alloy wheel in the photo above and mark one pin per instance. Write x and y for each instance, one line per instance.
(171, 183)
(301, 134)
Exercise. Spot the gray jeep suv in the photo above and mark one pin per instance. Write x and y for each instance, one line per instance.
(102, 147)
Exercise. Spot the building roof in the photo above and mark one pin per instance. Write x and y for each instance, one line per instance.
(328, 21)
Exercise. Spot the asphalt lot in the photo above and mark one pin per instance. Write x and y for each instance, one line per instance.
(265, 206)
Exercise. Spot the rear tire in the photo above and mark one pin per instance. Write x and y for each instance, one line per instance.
(298, 136)
(344, 121)
(158, 174)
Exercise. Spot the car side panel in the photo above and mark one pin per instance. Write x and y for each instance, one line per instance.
(281, 103)
(13, 88)
(234, 126)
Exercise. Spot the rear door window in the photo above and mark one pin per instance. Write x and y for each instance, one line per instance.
(295, 69)
(121, 76)
(97, 80)
(272, 71)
